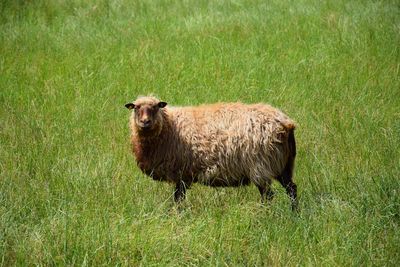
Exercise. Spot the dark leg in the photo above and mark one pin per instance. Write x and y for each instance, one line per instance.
(266, 192)
(270, 194)
(180, 191)
(262, 190)
(291, 189)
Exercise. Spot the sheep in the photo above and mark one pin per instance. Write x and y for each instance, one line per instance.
(218, 145)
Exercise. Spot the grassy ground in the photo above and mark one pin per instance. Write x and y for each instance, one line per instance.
(71, 194)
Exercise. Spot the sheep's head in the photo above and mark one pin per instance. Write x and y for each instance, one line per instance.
(147, 114)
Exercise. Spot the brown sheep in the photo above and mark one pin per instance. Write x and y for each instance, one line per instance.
(224, 144)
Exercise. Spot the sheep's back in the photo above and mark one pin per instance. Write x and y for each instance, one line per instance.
(234, 141)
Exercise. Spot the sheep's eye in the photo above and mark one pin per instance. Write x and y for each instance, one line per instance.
(137, 107)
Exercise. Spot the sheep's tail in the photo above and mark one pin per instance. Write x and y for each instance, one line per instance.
(290, 126)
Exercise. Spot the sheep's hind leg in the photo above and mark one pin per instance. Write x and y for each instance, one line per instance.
(180, 191)
(291, 188)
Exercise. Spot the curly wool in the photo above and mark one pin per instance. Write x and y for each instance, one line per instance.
(224, 144)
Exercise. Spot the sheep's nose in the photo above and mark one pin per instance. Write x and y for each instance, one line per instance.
(146, 122)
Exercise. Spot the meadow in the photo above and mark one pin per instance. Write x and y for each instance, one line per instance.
(71, 193)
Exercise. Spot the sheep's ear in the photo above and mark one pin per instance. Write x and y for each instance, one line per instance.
(162, 104)
(130, 106)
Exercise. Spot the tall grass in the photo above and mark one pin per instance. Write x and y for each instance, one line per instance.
(71, 194)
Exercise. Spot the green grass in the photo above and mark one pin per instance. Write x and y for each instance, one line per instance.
(71, 194)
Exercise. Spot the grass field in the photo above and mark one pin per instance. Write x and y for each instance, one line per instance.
(70, 191)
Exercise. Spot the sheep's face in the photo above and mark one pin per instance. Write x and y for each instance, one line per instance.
(147, 115)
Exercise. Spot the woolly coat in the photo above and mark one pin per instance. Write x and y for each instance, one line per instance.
(224, 144)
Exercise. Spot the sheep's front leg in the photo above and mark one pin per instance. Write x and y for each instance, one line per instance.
(266, 191)
(180, 191)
